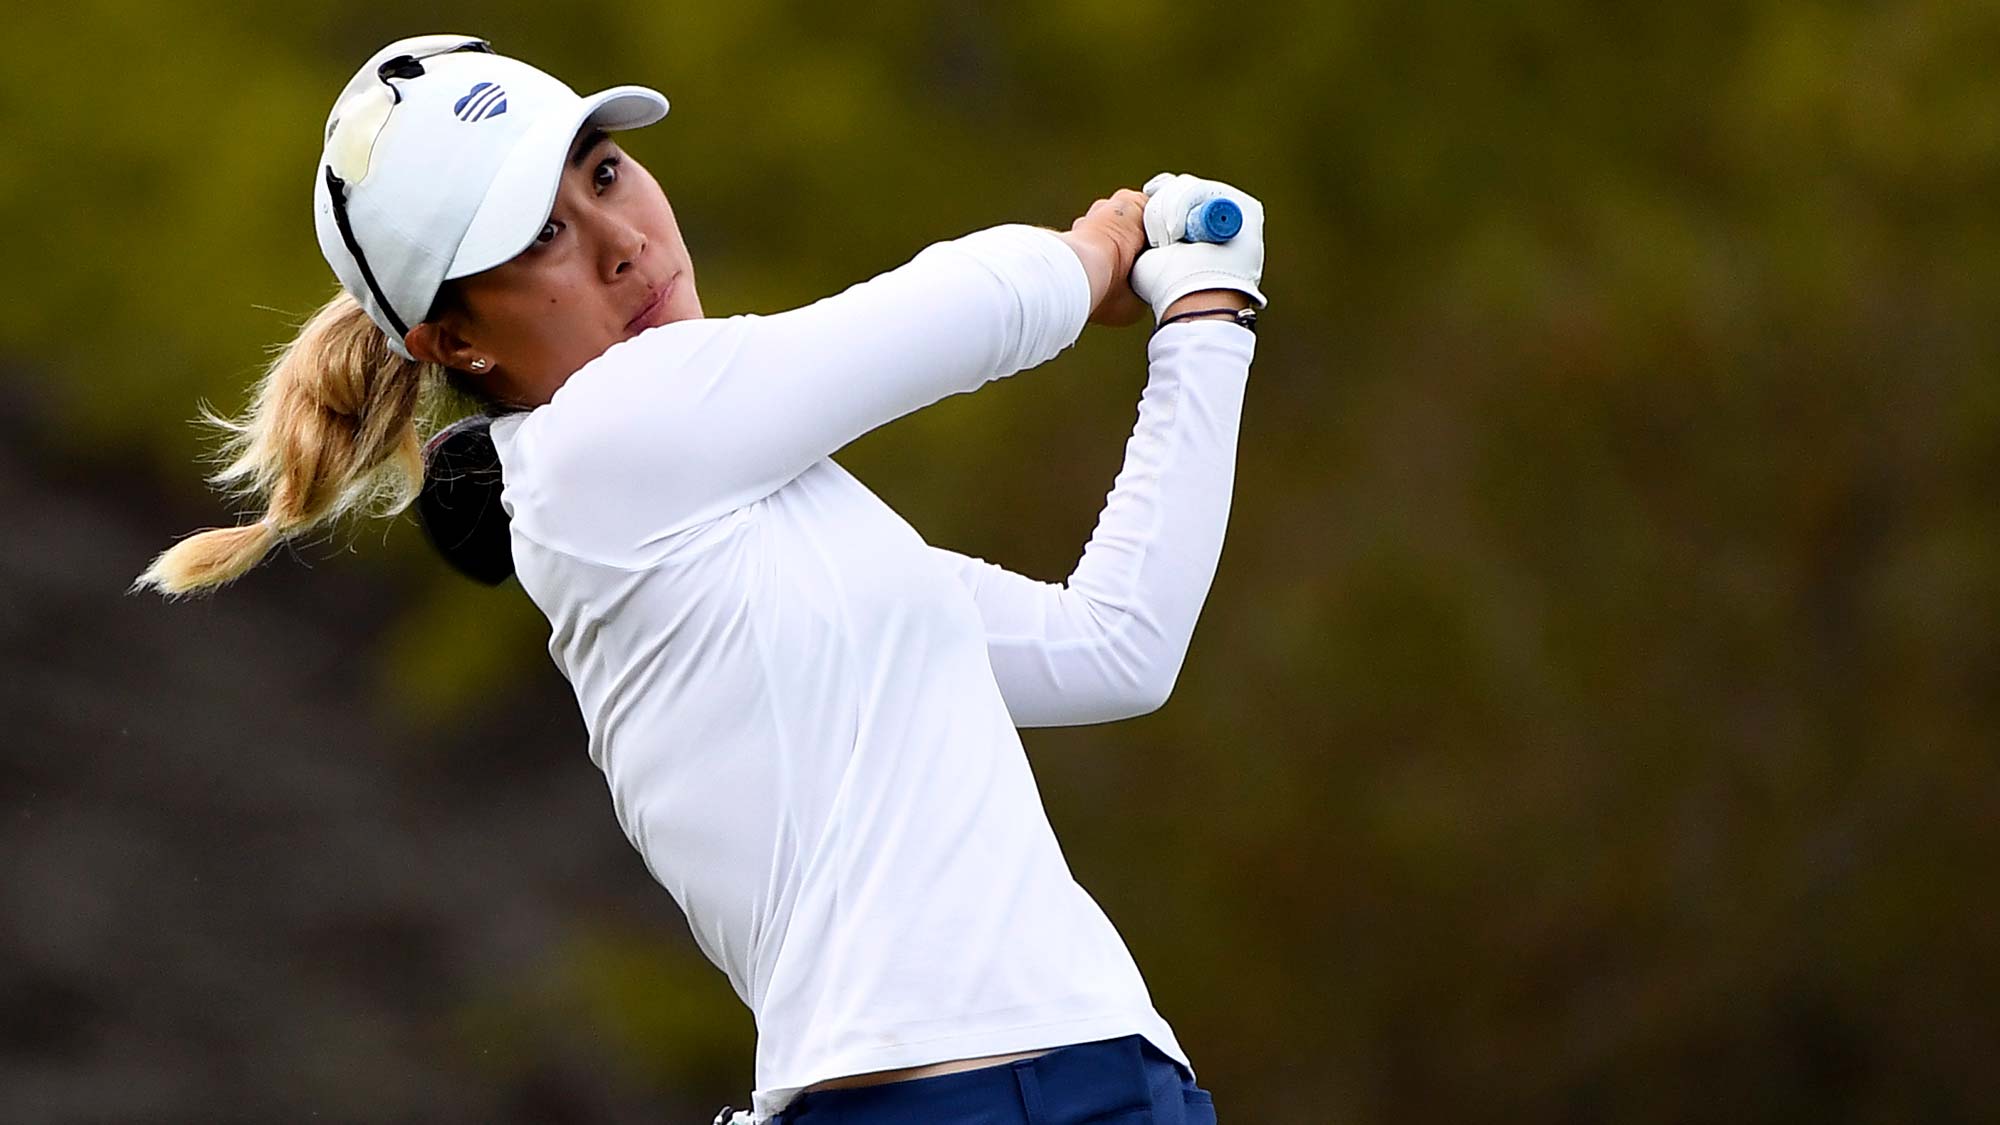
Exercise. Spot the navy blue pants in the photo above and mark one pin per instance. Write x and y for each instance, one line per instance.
(1112, 1082)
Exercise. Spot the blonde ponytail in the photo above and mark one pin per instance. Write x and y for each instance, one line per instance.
(332, 432)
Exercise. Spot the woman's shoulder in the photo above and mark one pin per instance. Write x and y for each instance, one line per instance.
(611, 462)
(630, 363)
(628, 381)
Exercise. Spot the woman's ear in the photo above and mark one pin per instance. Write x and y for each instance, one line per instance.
(434, 341)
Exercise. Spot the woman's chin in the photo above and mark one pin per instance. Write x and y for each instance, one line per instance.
(684, 303)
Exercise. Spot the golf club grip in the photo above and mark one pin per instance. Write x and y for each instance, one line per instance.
(1217, 220)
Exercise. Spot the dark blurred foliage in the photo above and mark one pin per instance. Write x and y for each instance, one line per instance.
(1593, 719)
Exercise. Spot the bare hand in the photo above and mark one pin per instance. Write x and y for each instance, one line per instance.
(1108, 238)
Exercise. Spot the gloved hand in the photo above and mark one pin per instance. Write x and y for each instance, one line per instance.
(1172, 269)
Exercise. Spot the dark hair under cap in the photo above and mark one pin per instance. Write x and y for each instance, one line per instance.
(459, 505)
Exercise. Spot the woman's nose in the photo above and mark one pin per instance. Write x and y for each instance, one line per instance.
(624, 245)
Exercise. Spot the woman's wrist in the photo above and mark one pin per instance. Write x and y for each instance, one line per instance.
(1099, 256)
(1208, 299)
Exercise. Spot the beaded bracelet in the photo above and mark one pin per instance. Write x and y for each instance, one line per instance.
(1246, 317)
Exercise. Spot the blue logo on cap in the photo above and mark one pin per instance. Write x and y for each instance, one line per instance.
(485, 100)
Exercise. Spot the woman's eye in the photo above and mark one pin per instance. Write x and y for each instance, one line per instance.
(607, 173)
(548, 232)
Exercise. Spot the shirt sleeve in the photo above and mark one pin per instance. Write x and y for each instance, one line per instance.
(1109, 643)
(692, 420)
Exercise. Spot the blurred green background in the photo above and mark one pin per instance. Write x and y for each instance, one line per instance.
(1593, 720)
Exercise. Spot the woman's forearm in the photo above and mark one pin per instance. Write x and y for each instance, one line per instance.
(1109, 643)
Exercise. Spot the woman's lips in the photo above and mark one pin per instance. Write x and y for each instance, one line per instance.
(652, 316)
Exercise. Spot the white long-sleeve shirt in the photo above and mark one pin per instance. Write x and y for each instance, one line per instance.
(806, 715)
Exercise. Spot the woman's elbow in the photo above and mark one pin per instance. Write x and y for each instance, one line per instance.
(1139, 656)
(1146, 684)
(1146, 702)
(1106, 696)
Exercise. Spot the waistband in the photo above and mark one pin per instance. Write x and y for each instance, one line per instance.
(1081, 1081)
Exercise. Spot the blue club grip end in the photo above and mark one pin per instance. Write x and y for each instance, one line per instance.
(1218, 220)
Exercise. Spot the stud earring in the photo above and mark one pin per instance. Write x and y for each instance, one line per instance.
(479, 365)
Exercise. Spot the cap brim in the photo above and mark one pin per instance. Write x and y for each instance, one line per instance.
(523, 192)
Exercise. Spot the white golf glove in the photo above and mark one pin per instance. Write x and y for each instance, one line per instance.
(1171, 269)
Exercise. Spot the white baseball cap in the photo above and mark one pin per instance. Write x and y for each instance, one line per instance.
(442, 159)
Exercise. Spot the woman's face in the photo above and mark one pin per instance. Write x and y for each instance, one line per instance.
(609, 263)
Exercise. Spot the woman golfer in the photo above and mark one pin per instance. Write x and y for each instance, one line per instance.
(806, 715)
